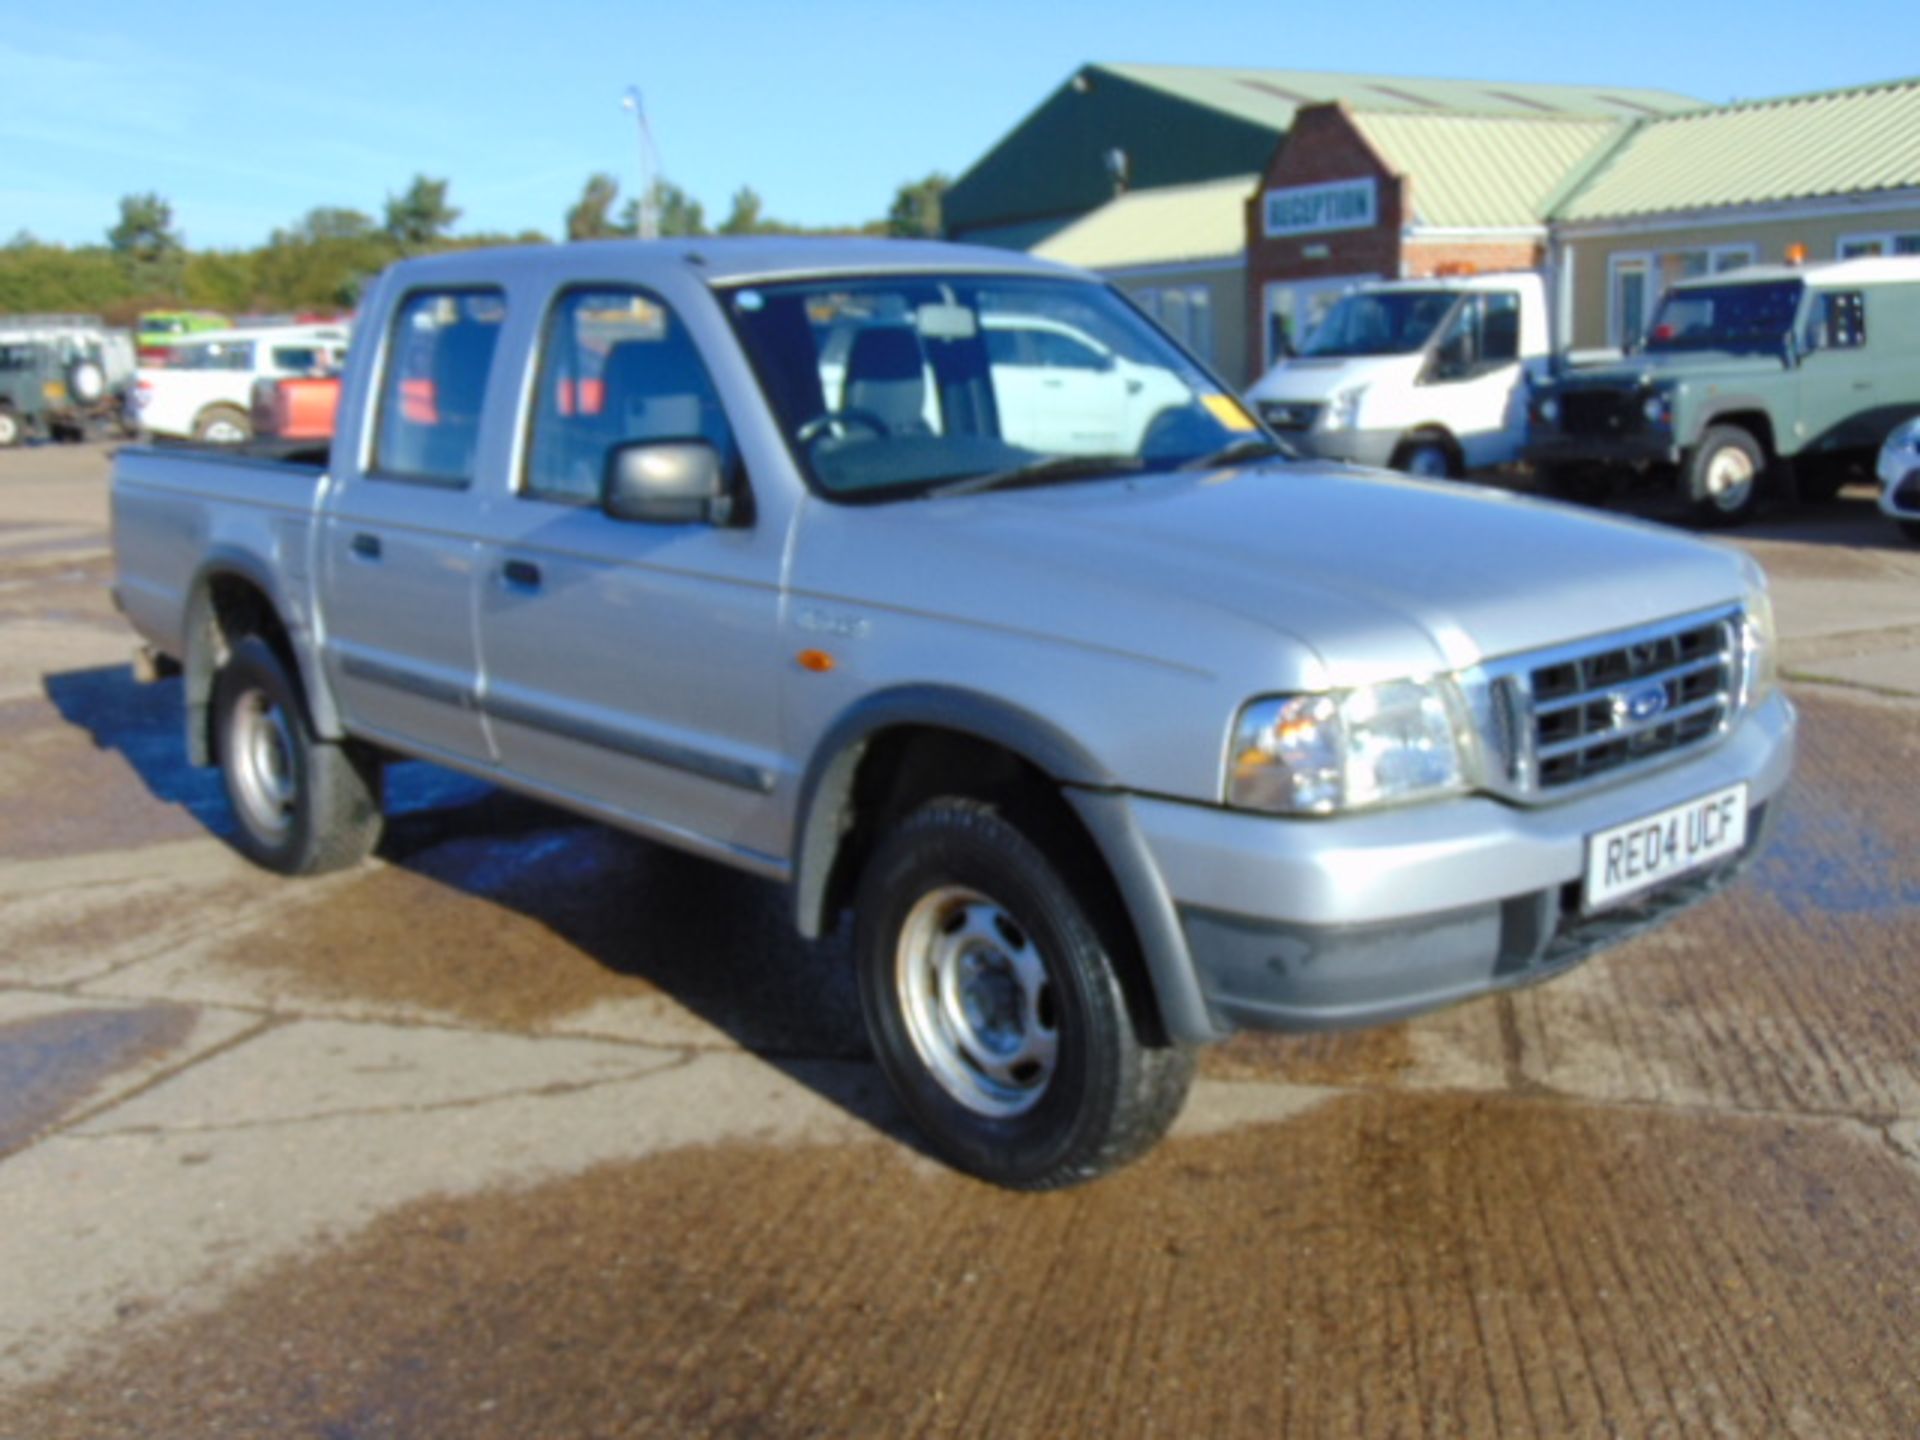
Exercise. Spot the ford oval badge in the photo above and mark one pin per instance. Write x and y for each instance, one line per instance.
(1646, 703)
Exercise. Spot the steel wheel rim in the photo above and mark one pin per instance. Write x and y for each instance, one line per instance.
(263, 764)
(1729, 477)
(978, 1001)
(9, 429)
(223, 432)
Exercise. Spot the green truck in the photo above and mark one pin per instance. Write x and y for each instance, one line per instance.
(1782, 378)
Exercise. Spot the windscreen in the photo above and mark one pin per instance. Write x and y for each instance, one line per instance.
(1380, 322)
(888, 386)
(1725, 317)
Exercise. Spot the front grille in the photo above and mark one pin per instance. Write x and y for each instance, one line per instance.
(1630, 703)
(1599, 412)
(1289, 415)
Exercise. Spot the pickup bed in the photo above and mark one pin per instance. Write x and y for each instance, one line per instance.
(1114, 730)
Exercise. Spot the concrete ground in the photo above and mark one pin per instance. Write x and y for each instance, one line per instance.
(531, 1129)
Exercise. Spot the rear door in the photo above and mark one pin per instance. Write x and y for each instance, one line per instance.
(399, 554)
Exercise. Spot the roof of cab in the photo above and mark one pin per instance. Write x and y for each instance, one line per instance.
(1866, 270)
(739, 259)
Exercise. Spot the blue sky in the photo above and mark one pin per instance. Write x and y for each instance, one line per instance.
(246, 115)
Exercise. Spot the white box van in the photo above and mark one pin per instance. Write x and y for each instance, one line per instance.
(1428, 376)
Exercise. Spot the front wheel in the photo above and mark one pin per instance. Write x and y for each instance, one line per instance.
(1426, 458)
(10, 434)
(995, 1008)
(304, 805)
(1723, 476)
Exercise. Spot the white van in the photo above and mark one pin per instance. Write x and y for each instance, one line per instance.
(205, 390)
(1428, 376)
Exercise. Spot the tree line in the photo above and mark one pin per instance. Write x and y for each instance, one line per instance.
(324, 260)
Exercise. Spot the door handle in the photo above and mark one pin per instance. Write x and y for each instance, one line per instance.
(521, 575)
(367, 547)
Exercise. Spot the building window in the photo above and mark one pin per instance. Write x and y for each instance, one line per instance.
(1859, 247)
(1636, 282)
(1184, 312)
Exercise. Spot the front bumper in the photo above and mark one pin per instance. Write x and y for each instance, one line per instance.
(1552, 448)
(1372, 448)
(1310, 924)
(1900, 498)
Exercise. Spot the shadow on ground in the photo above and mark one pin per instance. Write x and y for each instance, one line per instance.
(630, 917)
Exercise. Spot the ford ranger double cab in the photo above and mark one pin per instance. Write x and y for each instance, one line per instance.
(1772, 374)
(1106, 754)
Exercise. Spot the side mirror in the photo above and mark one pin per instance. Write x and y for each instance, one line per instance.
(666, 482)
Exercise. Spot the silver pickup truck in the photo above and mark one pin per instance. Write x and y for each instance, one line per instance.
(938, 583)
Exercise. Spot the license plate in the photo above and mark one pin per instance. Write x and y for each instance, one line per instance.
(1627, 859)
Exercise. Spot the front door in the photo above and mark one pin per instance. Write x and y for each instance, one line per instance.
(633, 668)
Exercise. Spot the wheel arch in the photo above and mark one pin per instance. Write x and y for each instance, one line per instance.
(1750, 417)
(1431, 432)
(234, 594)
(898, 748)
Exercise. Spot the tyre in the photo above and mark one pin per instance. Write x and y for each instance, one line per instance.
(10, 434)
(222, 425)
(1426, 457)
(995, 1009)
(1722, 477)
(303, 805)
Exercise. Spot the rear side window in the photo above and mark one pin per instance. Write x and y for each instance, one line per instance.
(439, 357)
(615, 366)
(1839, 321)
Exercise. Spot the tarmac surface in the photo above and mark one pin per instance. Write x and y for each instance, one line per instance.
(528, 1128)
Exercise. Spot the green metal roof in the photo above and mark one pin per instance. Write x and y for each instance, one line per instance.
(1166, 226)
(1269, 97)
(1180, 125)
(1483, 171)
(1800, 147)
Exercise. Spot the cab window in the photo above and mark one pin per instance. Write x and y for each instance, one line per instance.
(439, 356)
(1838, 321)
(615, 366)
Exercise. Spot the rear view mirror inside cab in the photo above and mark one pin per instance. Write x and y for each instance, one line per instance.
(945, 322)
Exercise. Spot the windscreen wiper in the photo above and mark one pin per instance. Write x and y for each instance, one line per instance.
(1249, 447)
(1054, 467)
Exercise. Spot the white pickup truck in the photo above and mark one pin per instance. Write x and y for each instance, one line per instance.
(1108, 754)
(205, 390)
(1426, 376)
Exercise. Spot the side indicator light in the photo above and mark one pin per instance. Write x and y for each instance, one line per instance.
(818, 661)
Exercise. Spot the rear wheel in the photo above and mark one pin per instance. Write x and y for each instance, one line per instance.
(995, 1007)
(1723, 476)
(9, 428)
(222, 425)
(304, 805)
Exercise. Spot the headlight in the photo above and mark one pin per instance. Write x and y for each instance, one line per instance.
(1759, 650)
(1658, 408)
(1343, 409)
(1351, 749)
(1548, 409)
